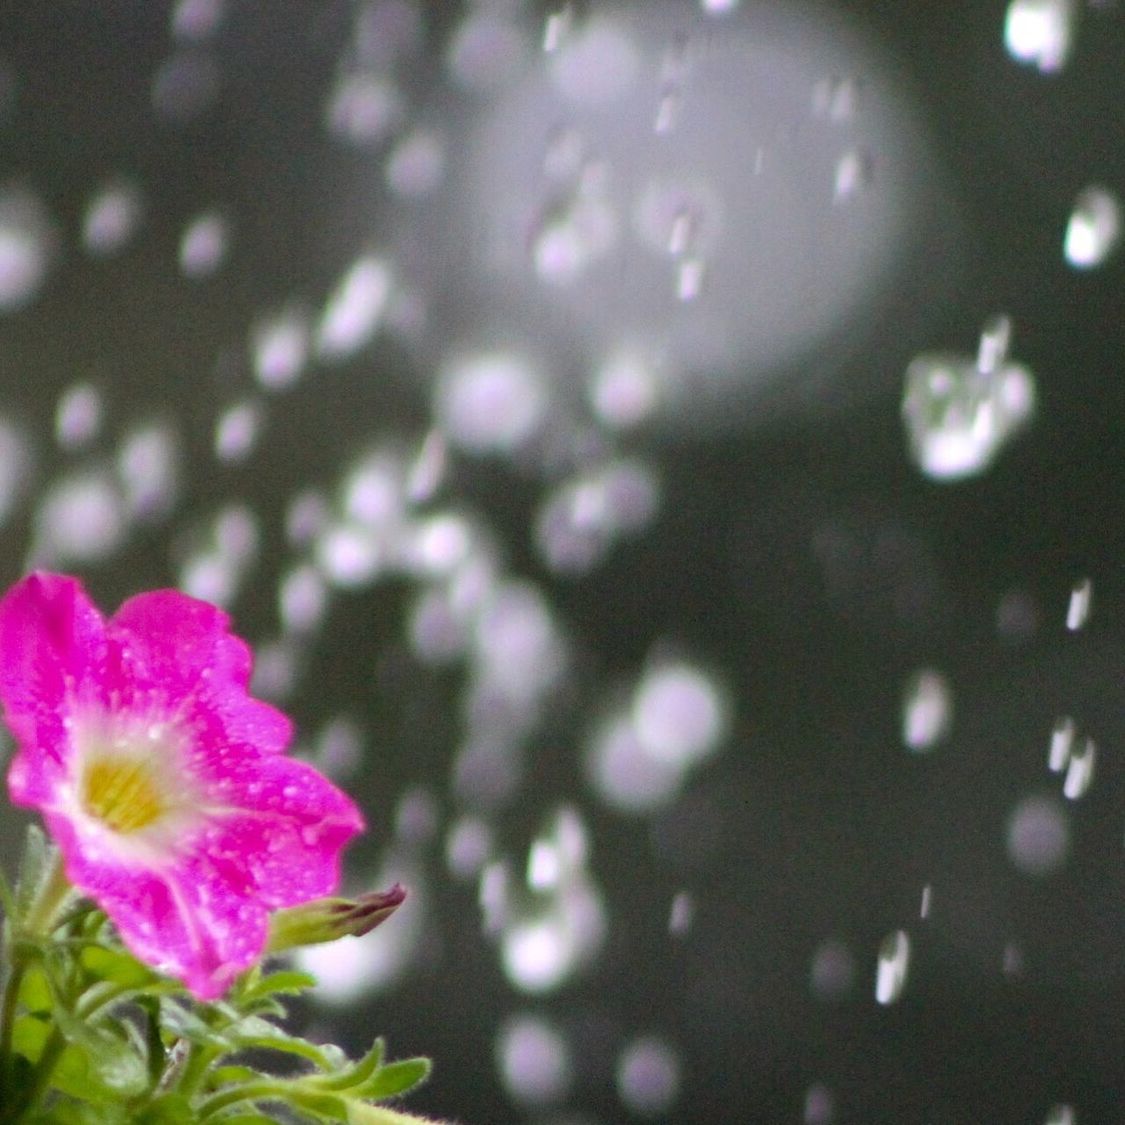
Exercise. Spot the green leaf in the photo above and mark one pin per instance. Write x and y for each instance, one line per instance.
(253, 1031)
(350, 1076)
(395, 1078)
(360, 1113)
(29, 1033)
(287, 982)
(221, 1076)
(35, 992)
(115, 966)
(170, 1109)
(183, 1023)
(112, 1062)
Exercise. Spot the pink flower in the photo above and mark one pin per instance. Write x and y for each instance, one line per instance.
(163, 783)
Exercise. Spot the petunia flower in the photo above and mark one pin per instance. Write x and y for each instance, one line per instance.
(164, 784)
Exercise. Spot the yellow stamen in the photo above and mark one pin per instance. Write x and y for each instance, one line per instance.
(122, 792)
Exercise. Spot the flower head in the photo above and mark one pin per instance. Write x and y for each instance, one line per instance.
(163, 782)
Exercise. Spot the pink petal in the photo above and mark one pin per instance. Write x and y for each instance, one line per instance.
(180, 650)
(52, 649)
(185, 920)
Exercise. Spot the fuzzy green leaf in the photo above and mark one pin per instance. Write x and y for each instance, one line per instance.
(29, 1033)
(286, 982)
(253, 1031)
(35, 992)
(350, 1076)
(112, 1062)
(395, 1078)
(359, 1113)
(115, 966)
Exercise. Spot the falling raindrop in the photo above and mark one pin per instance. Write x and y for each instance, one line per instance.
(832, 972)
(355, 308)
(1062, 741)
(364, 108)
(927, 710)
(648, 1076)
(280, 349)
(78, 416)
(81, 518)
(892, 967)
(197, 19)
(1061, 1115)
(1038, 835)
(237, 431)
(1080, 770)
(681, 915)
(819, 1105)
(960, 414)
(186, 86)
(490, 402)
(416, 164)
(203, 245)
(148, 468)
(534, 1061)
(1094, 228)
(27, 245)
(1040, 32)
(1078, 609)
(112, 218)
(927, 897)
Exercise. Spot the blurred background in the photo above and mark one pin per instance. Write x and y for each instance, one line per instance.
(668, 457)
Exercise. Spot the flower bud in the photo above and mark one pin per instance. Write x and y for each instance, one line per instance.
(326, 919)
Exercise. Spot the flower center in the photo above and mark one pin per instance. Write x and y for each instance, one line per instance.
(122, 792)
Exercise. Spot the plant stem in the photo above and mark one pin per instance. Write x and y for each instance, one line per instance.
(52, 894)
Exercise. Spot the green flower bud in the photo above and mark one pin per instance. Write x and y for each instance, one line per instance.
(326, 919)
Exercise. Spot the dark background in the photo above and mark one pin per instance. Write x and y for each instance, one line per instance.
(813, 822)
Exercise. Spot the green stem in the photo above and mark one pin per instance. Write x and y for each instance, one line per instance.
(7, 1022)
(52, 894)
